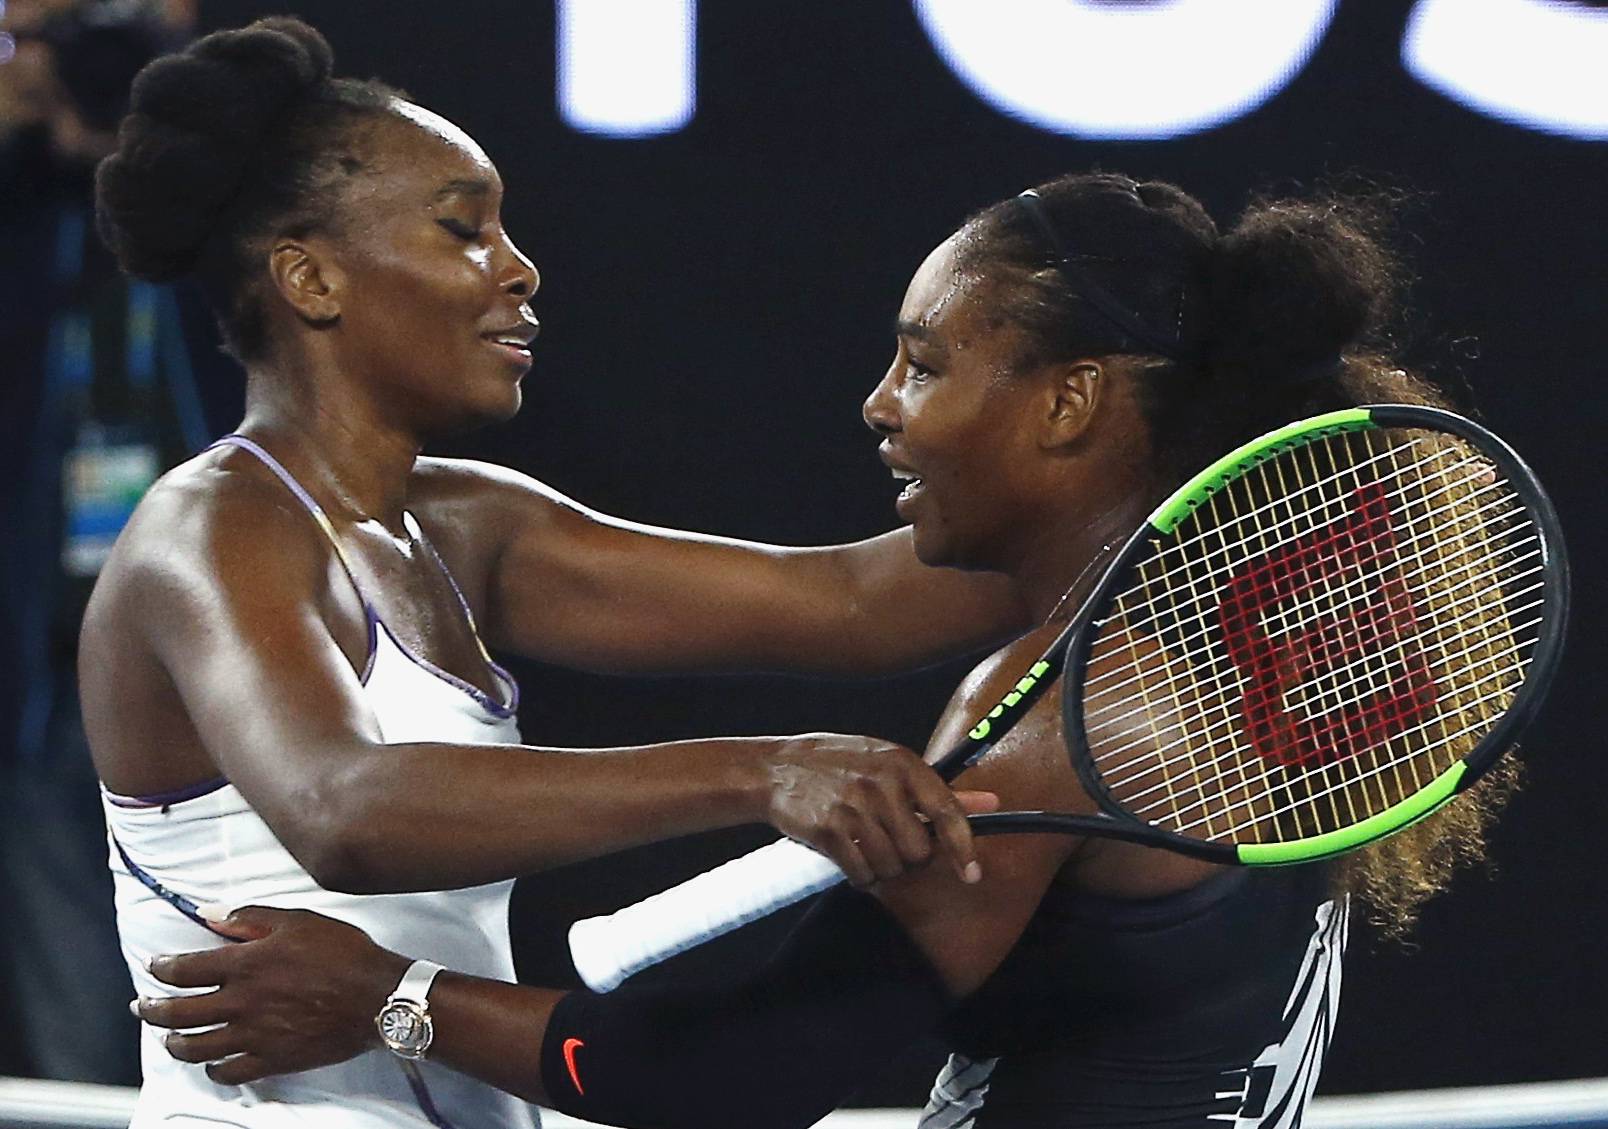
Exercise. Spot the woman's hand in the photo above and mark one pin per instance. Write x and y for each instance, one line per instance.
(302, 994)
(871, 806)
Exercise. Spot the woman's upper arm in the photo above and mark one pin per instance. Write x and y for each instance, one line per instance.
(568, 584)
(967, 930)
(224, 596)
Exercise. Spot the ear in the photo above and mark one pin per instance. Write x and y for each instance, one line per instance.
(1074, 392)
(308, 280)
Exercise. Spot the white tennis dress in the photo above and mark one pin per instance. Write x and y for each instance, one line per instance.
(206, 845)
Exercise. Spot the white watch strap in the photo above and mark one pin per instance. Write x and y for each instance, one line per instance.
(415, 983)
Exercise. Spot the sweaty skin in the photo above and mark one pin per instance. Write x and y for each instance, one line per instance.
(1028, 472)
(224, 638)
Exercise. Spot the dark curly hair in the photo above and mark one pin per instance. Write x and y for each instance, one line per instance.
(1285, 315)
(242, 137)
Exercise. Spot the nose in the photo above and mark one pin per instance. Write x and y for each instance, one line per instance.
(881, 410)
(520, 277)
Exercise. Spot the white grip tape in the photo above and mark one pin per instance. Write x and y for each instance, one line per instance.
(609, 949)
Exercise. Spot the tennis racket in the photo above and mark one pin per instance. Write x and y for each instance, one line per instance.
(1316, 641)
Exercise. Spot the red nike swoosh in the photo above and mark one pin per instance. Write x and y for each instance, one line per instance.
(569, 1061)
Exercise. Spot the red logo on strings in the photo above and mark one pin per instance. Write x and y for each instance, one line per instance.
(1374, 622)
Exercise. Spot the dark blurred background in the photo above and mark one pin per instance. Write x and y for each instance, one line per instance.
(718, 298)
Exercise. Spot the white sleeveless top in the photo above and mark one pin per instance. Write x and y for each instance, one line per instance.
(206, 845)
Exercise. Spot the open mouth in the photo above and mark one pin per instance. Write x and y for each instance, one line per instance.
(514, 348)
(911, 480)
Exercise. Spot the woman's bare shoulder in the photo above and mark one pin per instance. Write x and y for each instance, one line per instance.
(442, 487)
(209, 522)
(988, 682)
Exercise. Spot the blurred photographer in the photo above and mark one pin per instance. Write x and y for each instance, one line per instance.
(102, 389)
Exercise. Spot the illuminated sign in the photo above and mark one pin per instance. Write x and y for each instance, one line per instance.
(627, 68)
(1536, 63)
(1095, 69)
(1108, 69)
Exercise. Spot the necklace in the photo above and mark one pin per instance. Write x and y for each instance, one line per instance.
(1078, 580)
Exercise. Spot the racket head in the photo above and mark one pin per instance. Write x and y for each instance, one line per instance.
(1319, 639)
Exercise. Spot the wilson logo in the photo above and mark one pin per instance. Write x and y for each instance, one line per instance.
(1322, 629)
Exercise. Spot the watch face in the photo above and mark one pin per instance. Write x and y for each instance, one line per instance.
(404, 1028)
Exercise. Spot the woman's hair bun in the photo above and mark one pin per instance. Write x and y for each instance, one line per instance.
(196, 119)
(1294, 285)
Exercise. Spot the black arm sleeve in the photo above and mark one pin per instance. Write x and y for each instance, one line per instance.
(846, 992)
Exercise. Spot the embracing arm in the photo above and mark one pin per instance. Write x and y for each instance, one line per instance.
(848, 991)
(569, 585)
(854, 984)
(277, 707)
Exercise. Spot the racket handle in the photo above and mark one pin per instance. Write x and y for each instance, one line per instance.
(608, 949)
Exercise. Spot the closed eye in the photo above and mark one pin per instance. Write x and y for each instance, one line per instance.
(460, 229)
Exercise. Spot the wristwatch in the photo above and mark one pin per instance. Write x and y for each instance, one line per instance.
(404, 1022)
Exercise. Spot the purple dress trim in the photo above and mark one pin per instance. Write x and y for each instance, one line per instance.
(372, 616)
(502, 676)
(178, 901)
(188, 907)
(273, 464)
(164, 799)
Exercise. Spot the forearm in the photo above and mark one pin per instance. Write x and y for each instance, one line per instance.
(870, 609)
(584, 590)
(899, 615)
(432, 816)
(493, 1031)
(846, 993)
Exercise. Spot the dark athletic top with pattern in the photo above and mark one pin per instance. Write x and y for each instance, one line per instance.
(1208, 1009)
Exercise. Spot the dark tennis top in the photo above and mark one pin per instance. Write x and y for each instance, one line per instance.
(1209, 1009)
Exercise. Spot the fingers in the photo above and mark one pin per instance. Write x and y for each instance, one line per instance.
(882, 857)
(205, 1046)
(222, 1048)
(248, 923)
(948, 817)
(976, 802)
(207, 969)
(893, 824)
(183, 1011)
(871, 806)
(839, 840)
(239, 1070)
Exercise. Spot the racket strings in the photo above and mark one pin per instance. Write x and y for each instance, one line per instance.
(1197, 642)
(1197, 646)
(1399, 784)
(1447, 741)
(1357, 581)
(1271, 536)
(1271, 673)
(1482, 626)
(1465, 737)
(1495, 513)
(1253, 519)
(1382, 792)
(1228, 721)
